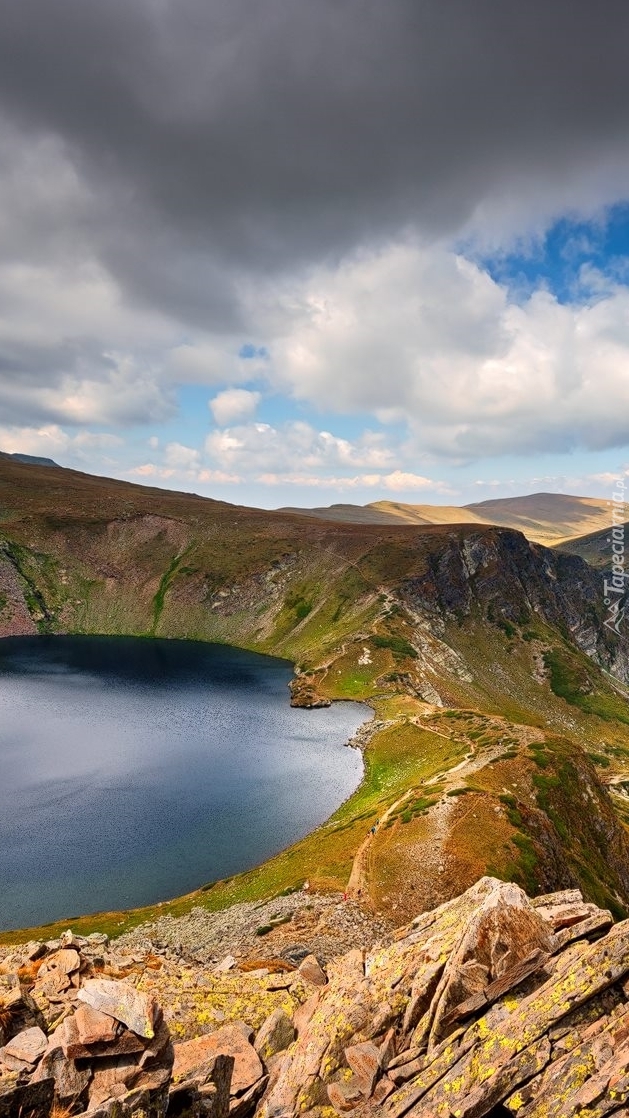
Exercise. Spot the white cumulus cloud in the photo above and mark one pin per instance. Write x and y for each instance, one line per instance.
(258, 448)
(425, 337)
(234, 405)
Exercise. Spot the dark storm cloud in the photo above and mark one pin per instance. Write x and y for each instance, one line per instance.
(225, 137)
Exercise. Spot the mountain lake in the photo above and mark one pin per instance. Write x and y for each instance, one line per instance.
(134, 769)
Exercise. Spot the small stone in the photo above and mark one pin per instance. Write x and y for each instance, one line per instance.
(122, 962)
(97, 939)
(280, 982)
(68, 939)
(9, 984)
(295, 953)
(228, 963)
(36, 951)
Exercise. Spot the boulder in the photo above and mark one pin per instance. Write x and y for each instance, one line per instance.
(35, 951)
(304, 1012)
(344, 1096)
(70, 1081)
(203, 1093)
(112, 1078)
(503, 931)
(93, 1026)
(27, 1100)
(18, 1009)
(364, 1060)
(27, 1047)
(67, 961)
(191, 1056)
(311, 971)
(122, 1001)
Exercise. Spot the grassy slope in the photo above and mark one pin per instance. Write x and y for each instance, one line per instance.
(595, 547)
(115, 558)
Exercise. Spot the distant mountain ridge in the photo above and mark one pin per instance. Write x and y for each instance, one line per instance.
(548, 518)
(29, 459)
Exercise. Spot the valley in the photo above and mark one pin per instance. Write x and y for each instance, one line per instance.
(501, 734)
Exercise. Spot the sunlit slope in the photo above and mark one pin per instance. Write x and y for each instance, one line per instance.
(547, 518)
(596, 547)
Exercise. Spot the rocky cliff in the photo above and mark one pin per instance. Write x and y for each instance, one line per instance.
(301, 593)
(87, 554)
(492, 1004)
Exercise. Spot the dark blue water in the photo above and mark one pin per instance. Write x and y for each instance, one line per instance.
(135, 770)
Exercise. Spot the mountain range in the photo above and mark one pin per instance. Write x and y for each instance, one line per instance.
(549, 518)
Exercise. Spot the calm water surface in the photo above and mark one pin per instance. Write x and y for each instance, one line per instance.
(134, 770)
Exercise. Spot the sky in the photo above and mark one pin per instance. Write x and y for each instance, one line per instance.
(285, 252)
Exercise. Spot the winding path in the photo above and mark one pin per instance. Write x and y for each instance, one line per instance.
(358, 884)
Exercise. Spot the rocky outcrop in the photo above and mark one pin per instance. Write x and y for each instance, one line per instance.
(15, 617)
(75, 1041)
(90, 1062)
(304, 693)
(492, 1004)
(502, 577)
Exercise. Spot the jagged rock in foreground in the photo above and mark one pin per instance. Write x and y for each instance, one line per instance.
(492, 1004)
